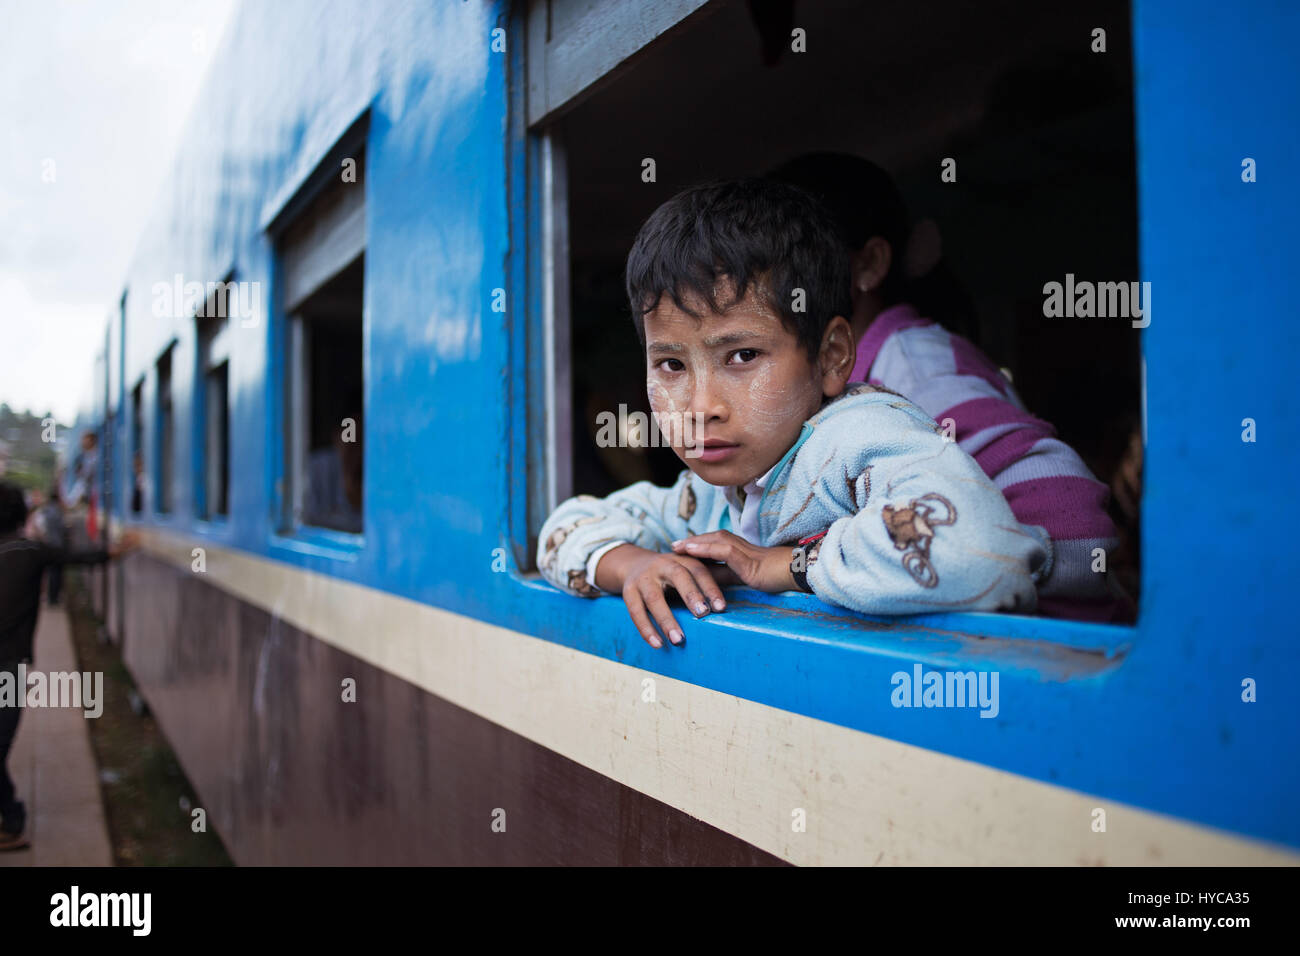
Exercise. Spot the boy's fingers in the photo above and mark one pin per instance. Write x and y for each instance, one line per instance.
(724, 576)
(700, 548)
(730, 550)
(662, 614)
(737, 560)
(636, 608)
(704, 577)
(685, 582)
(698, 540)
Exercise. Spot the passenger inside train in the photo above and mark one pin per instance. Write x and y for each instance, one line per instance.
(334, 478)
(794, 480)
(917, 352)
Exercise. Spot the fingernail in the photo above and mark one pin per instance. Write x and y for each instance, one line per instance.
(718, 604)
(675, 636)
(676, 543)
(655, 642)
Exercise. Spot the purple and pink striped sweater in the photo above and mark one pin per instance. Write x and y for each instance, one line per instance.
(1043, 479)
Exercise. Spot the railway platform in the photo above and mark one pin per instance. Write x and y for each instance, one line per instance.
(54, 769)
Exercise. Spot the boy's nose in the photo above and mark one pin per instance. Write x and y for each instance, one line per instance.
(708, 403)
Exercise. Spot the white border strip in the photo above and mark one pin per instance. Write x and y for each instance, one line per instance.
(741, 766)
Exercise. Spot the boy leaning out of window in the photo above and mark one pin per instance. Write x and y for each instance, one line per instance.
(795, 478)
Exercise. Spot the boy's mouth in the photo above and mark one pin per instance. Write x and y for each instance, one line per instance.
(712, 450)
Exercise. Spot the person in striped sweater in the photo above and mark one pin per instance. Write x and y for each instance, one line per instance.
(902, 348)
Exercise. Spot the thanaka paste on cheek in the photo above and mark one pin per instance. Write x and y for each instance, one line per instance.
(668, 405)
(769, 402)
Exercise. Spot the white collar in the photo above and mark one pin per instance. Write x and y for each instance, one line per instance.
(756, 486)
(752, 490)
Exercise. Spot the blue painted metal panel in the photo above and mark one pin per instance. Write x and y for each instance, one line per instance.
(1148, 715)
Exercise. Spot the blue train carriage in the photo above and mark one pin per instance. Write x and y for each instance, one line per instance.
(411, 218)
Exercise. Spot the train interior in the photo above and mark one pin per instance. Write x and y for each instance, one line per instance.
(1040, 125)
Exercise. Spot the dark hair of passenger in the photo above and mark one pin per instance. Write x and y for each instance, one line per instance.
(13, 507)
(865, 202)
(758, 233)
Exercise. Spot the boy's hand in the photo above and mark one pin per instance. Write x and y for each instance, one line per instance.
(767, 569)
(643, 577)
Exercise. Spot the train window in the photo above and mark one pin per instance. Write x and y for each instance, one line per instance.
(322, 255)
(137, 448)
(163, 435)
(573, 43)
(1017, 144)
(212, 405)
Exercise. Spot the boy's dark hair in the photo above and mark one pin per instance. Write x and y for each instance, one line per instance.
(759, 233)
(13, 507)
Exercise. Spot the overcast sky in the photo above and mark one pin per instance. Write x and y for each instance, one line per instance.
(102, 89)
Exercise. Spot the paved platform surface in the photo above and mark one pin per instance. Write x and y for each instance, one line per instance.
(54, 769)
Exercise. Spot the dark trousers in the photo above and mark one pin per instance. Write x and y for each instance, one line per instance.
(54, 582)
(13, 815)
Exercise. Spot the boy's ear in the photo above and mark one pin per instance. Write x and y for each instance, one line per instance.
(837, 356)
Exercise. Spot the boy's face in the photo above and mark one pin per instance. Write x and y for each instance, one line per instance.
(731, 391)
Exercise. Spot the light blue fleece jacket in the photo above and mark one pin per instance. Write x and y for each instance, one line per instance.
(912, 524)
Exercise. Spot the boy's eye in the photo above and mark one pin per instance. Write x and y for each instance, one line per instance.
(670, 365)
(745, 356)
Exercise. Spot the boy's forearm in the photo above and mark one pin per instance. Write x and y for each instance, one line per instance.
(641, 516)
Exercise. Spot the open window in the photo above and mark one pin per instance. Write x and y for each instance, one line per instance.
(164, 435)
(1039, 120)
(212, 405)
(137, 448)
(321, 247)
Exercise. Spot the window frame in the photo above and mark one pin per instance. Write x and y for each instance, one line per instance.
(542, 235)
(286, 345)
(164, 434)
(137, 447)
(212, 335)
(574, 45)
